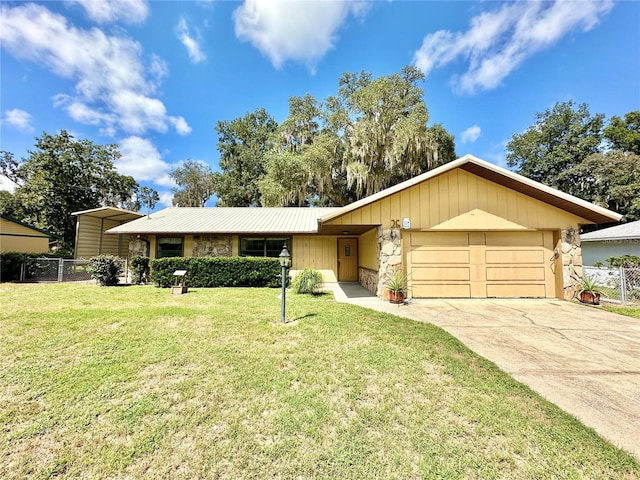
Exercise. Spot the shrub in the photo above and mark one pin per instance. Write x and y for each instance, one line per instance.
(139, 269)
(307, 281)
(626, 261)
(105, 269)
(218, 271)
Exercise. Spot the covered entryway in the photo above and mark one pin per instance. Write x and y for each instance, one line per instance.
(481, 264)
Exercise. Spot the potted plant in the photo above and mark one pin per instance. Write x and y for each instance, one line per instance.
(589, 291)
(395, 283)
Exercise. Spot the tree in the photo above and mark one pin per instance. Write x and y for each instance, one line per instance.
(63, 175)
(561, 139)
(243, 143)
(611, 180)
(370, 136)
(148, 197)
(625, 134)
(197, 182)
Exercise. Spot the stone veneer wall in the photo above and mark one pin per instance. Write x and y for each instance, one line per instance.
(138, 247)
(571, 262)
(390, 258)
(212, 246)
(368, 279)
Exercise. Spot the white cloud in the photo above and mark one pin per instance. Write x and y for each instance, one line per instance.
(193, 47)
(498, 41)
(18, 119)
(108, 11)
(166, 198)
(300, 31)
(471, 134)
(140, 159)
(112, 90)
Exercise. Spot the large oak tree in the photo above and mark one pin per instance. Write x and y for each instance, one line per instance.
(63, 175)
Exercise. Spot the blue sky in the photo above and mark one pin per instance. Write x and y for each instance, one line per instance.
(155, 77)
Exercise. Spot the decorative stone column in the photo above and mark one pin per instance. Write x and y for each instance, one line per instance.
(389, 246)
(571, 262)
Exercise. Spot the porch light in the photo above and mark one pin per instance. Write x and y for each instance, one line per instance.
(285, 263)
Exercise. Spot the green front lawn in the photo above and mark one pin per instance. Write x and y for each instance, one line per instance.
(131, 382)
(628, 310)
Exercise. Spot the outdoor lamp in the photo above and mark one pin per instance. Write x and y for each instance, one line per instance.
(285, 257)
(285, 262)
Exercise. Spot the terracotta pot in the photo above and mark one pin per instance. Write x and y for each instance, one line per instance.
(590, 298)
(396, 297)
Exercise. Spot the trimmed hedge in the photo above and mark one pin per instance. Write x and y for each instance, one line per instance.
(218, 271)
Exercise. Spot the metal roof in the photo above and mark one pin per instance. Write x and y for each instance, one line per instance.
(626, 231)
(501, 176)
(211, 220)
(111, 213)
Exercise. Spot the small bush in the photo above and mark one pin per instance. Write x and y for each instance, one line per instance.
(307, 281)
(139, 269)
(105, 269)
(626, 261)
(210, 272)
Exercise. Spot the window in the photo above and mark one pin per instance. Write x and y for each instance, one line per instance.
(263, 247)
(169, 247)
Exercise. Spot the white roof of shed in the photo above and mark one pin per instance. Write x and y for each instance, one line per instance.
(211, 220)
(625, 231)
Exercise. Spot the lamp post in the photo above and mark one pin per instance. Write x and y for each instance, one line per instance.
(285, 263)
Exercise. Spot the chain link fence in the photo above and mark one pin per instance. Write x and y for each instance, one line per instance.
(61, 270)
(618, 284)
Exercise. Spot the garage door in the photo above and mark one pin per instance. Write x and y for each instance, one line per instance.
(480, 264)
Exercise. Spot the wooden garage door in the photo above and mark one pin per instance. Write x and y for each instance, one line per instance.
(480, 264)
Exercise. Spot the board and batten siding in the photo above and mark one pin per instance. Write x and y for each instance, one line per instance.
(459, 200)
(368, 250)
(94, 242)
(18, 238)
(319, 252)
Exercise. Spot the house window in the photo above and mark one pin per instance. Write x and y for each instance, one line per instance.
(169, 247)
(263, 247)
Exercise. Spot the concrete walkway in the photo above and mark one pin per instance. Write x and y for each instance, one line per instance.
(583, 359)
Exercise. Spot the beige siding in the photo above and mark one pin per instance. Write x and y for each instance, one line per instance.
(368, 250)
(91, 240)
(317, 252)
(459, 200)
(18, 238)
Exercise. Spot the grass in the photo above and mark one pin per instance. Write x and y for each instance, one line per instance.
(628, 310)
(131, 382)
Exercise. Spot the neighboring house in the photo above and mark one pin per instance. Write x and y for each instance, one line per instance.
(16, 236)
(93, 223)
(611, 242)
(466, 229)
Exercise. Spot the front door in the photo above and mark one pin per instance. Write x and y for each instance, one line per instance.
(347, 259)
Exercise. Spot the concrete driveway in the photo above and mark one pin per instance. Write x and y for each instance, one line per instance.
(585, 360)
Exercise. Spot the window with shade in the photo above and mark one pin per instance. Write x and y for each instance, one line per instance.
(263, 246)
(169, 247)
